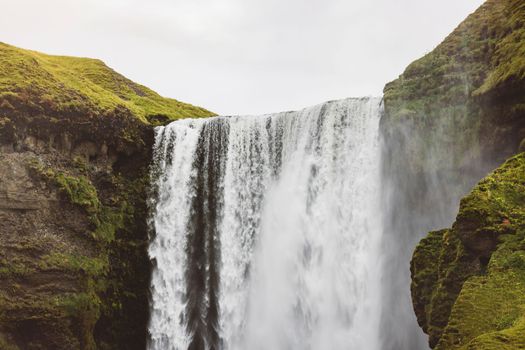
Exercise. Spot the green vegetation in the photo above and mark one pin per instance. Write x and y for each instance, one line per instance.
(80, 191)
(425, 275)
(57, 85)
(91, 266)
(95, 272)
(508, 61)
(486, 51)
(85, 308)
(474, 298)
(457, 110)
(466, 96)
(47, 313)
(14, 269)
(79, 277)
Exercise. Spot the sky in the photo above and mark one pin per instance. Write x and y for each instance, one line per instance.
(241, 56)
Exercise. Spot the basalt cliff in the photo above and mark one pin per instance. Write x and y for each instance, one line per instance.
(75, 147)
(451, 118)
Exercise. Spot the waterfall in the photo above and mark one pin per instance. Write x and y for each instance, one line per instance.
(267, 231)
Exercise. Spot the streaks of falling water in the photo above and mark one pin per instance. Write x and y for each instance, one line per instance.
(267, 231)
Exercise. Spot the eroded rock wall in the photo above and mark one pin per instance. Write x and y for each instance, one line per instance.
(73, 233)
(450, 119)
(468, 281)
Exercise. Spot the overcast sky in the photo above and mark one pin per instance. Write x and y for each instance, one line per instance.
(241, 56)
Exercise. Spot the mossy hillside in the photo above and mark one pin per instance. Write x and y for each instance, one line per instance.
(463, 101)
(508, 63)
(484, 52)
(468, 58)
(438, 271)
(425, 275)
(64, 103)
(56, 85)
(124, 320)
(474, 297)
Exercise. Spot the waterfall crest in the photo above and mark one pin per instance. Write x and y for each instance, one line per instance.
(268, 230)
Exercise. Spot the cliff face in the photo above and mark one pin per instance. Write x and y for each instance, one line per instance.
(468, 282)
(75, 146)
(450, 118)
(467, 93)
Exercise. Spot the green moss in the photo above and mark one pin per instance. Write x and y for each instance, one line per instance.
(465, 95)
(100, 294)
(15, 268)
(114, 281)
(486, 304)
(79, 190)
(96, 266)
(85, 308)
(108, 221)
(486, 50)
(478, 296)
(425, 275)
(508, 62)
(454, 267)
(71, 84)
(511, 338)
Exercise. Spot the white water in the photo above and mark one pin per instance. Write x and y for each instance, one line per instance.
(296, 241)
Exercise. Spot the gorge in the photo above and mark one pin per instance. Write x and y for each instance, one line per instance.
(132, 221)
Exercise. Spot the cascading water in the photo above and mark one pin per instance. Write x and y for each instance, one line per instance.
(268, 231)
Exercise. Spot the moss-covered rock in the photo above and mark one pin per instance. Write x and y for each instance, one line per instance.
(452, 117)
(75, 147)
(58, 262)
(425, 275)
(468, 283)
(466, 96)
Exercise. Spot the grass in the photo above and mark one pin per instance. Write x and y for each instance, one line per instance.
(466, 94)
(474, 297)
(94, 267)
(59, 84)
(14, 268)
(486, 51)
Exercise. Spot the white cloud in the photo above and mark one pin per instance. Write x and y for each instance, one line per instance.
(241, 56)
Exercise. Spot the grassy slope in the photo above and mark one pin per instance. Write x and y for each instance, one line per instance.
(485, 52)
(474, 298)
(466, 95)
(59, 84)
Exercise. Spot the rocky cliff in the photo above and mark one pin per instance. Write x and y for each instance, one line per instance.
(468, 281)
(467, 93)
(75, 146)
(452, 117)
